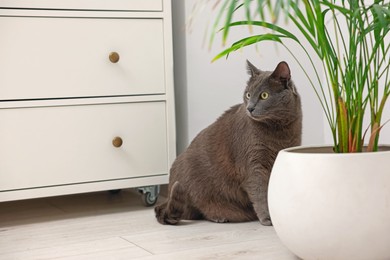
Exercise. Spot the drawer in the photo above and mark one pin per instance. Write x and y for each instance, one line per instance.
(69, 57)
(49, 146)
(128, 5)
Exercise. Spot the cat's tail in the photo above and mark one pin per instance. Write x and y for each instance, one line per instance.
(172, 210)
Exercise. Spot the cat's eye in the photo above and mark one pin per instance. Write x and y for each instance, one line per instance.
(248, 95)
(264, 95)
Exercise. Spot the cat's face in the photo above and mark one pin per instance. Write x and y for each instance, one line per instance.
(270, 96)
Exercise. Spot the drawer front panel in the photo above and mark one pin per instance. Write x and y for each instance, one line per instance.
(128, 5)
(74, 144)
(70, 57)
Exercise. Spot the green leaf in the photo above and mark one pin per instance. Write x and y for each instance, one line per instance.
(229, 16)
(217, 20)
(247, 10)
(249, 41)
(308, 37)
(344, 11)
(267, 26)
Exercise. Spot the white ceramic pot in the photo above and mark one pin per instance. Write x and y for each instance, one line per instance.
(332, 206)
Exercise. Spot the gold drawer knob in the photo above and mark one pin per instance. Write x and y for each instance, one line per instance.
(117, 142)
(114, 57)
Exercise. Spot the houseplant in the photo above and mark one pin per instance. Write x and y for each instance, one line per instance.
(329, 202)
(349, 37)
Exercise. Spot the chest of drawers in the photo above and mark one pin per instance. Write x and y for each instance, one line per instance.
(86, 96)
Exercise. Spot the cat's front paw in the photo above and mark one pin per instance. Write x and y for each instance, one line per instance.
(163, 217)
(266, 221)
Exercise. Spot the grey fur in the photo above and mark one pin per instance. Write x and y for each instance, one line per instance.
(223, 175)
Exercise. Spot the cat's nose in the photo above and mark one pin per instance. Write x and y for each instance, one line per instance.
(250, 109)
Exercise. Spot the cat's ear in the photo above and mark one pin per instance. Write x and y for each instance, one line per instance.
(252, 70)
(282, 72)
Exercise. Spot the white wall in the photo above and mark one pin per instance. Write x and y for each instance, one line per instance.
(204, 89)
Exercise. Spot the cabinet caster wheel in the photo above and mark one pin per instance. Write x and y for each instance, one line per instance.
(148, 199)
(149, 194)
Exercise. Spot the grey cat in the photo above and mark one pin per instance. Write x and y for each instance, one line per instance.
(223, 175)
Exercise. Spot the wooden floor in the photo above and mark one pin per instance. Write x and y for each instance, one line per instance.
(106, 226)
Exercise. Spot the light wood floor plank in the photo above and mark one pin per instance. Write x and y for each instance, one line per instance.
(254, 250)
(83, 250)
(201, 234)
(105, 226)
